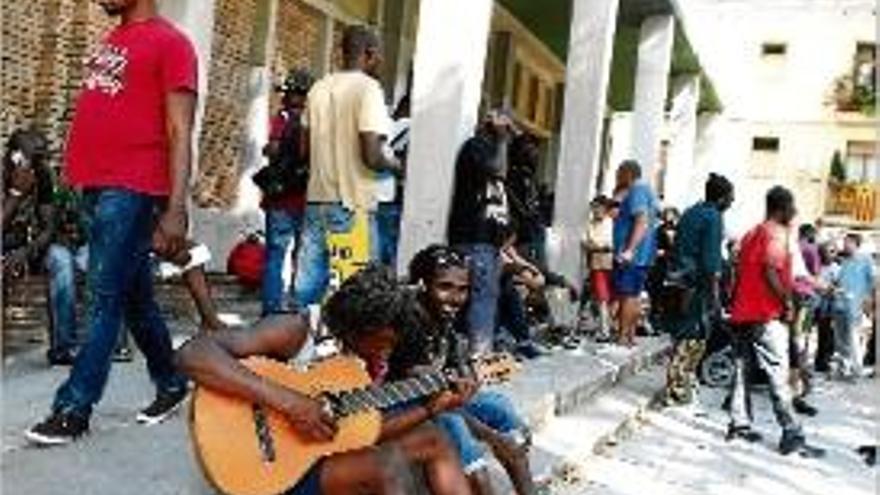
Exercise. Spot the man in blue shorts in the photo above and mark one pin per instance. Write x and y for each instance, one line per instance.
(635, 245)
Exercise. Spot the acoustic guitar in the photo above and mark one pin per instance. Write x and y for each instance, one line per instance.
(245, 449)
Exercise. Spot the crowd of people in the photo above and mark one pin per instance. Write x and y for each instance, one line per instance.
(333, 189)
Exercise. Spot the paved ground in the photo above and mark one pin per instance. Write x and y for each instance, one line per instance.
(682, 452)
(675, 452)
(121, 457)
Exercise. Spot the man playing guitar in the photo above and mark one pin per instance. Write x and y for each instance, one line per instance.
(363, 316)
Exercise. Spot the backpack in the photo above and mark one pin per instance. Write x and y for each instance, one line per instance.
(247, 261)
(286, 171)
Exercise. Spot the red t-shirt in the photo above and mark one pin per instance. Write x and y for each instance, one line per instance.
(753, 299)
(118, 135)
(292, 200)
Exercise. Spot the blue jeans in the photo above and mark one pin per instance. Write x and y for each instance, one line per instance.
(313, 259)
(493, 410)
(388, 226)
(512, 311)
(282, 228)
(485, 265)
(119, 283)
(62, 263)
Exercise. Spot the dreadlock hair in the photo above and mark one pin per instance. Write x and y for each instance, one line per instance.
(427, 262)
(368, 301)
(30, 143)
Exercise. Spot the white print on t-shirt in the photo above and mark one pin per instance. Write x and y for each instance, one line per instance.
(105, 69)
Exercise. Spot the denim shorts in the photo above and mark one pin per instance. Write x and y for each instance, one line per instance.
(629, 280)
(493, 410)
(310, 483)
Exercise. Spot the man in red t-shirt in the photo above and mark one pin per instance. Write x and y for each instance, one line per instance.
(129, 151)
(284, 203)
(760, 314)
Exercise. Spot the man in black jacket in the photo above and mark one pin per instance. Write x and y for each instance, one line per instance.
(480, 219)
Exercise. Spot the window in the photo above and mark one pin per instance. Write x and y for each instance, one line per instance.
(862, 163)
(766, 144)
(517, 83)
(534, 88)
(771, 49)
(549, 101)
(865, 66)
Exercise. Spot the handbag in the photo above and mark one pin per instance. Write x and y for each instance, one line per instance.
(677, 292)
(285, 172)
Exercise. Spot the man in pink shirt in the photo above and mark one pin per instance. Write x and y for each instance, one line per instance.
(129, 151)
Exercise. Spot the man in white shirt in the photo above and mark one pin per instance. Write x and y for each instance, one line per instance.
(347, 122)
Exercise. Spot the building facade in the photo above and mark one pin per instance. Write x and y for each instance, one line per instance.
(562, 66)
(797, 79)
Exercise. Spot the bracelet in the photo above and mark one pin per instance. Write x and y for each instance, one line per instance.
(15, 193)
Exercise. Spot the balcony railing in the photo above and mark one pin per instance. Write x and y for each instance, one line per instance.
(860, 202)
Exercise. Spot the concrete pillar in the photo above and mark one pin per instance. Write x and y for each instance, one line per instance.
(448, 75)
(680, 165)
(196, 19)
(652, 81)
(259, 92)
(221, 229)
(586, 83)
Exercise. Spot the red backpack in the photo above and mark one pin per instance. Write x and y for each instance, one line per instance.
(247, 261)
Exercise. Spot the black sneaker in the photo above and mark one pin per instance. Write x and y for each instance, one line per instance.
(796, 442)
(743, 433)
(60, 357)
(58, 429)
(868, 453)
(529, 350)
(801, 406)
(162, 407)
(123, 355)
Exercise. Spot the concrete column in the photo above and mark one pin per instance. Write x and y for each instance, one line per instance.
(448, 75)
(259, 92)
(220, 229)
(652, 81)
(586, 83)
(680, 166)
(196, 19)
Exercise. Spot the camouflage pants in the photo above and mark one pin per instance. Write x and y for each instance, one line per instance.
(681, 375)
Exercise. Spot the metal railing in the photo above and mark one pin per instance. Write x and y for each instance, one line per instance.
(861, 201)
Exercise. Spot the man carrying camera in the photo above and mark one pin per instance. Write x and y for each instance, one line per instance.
(284, 183)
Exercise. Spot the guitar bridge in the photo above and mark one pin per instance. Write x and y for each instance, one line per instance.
(264, 434)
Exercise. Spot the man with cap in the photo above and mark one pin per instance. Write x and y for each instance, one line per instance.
(284, 200)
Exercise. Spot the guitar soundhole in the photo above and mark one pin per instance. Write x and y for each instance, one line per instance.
(264, 434)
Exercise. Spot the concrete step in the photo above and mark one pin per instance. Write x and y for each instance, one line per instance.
(580, 402)
(26, 317)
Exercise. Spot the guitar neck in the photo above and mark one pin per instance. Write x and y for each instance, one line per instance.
(389, 395)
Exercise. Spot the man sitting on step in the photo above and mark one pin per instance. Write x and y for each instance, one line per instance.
(363, 316)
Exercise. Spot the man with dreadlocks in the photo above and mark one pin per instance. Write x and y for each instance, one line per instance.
(442, 284)
(363, 315)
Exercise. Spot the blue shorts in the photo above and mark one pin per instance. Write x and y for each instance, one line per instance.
(490, 408)
(310, 483)
(629, 280)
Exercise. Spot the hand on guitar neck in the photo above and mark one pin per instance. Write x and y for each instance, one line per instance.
(461, 390)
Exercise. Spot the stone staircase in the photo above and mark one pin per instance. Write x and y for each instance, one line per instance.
(26, 317)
